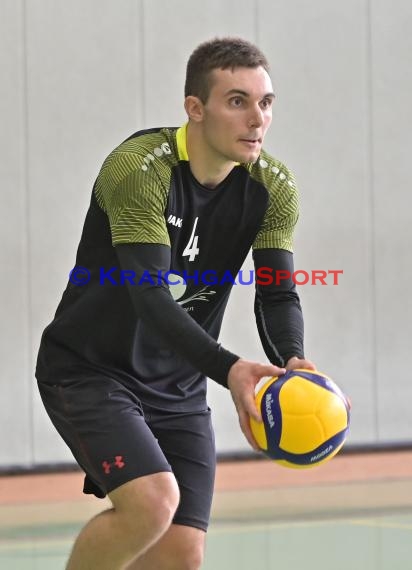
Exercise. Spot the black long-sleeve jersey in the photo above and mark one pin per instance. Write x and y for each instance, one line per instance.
(160, 254)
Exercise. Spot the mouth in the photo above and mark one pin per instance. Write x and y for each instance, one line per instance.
(251, 141)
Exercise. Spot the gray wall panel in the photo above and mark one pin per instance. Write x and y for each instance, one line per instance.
(84, 86)
(15, 401)
(165, 58)
(391, 71)
(321, 131)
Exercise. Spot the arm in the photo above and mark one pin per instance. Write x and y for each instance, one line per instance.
(278, 311)
(154, 304)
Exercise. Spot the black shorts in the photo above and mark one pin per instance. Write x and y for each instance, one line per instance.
(115, 439)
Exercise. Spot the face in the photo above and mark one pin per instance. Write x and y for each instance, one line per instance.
(237, 113)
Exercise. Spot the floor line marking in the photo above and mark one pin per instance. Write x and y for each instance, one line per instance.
(381, 524)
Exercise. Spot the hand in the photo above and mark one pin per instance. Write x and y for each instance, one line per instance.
(296, 362)
(242, 379)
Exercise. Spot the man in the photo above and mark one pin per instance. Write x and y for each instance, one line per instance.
(122, 368)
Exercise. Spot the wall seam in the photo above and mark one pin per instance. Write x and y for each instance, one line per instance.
(143, 108)
(256, 22)
(28, 258)
(372, 206)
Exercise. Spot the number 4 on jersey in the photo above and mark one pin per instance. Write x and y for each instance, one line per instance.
(191, 248)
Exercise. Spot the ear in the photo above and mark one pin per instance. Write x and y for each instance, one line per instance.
(194, 108)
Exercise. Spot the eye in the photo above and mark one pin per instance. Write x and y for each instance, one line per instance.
(266, 103)
(236, 101)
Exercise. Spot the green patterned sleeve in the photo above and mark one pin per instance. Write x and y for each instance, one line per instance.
(282, 211)
(134, 200)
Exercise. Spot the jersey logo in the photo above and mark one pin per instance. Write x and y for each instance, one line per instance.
(178, 291)
(201, 295)
(175, 221)
(282, 176)
(156, 153)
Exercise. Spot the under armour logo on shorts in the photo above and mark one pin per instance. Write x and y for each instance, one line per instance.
(118, 462)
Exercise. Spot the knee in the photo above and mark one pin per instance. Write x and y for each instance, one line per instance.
(149, 502)
(192, 560)
(159, 505)
(187, 557)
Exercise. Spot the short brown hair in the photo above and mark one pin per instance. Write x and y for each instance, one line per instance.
(219, 53)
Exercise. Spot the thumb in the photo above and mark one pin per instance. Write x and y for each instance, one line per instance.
(270, 370)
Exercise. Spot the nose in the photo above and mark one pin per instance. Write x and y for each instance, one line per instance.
(256, 117)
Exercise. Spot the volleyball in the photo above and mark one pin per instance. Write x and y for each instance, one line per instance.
(305, 417)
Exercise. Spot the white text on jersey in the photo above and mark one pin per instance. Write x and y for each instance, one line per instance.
(175, 221)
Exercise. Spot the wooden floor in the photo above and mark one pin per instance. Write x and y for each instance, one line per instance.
(356, 511)
(348, 483)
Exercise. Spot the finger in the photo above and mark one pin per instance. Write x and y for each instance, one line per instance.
(247, 431)
(307, 364)
(270, 370)
(250, 408)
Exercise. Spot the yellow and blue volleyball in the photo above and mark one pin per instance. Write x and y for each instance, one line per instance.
(305, 417)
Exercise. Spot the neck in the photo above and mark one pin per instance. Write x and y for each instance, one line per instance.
(207, 167)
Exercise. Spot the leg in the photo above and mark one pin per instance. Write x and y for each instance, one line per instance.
(142, 512)
(188, 443)
(180, 548)
(103, 425)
